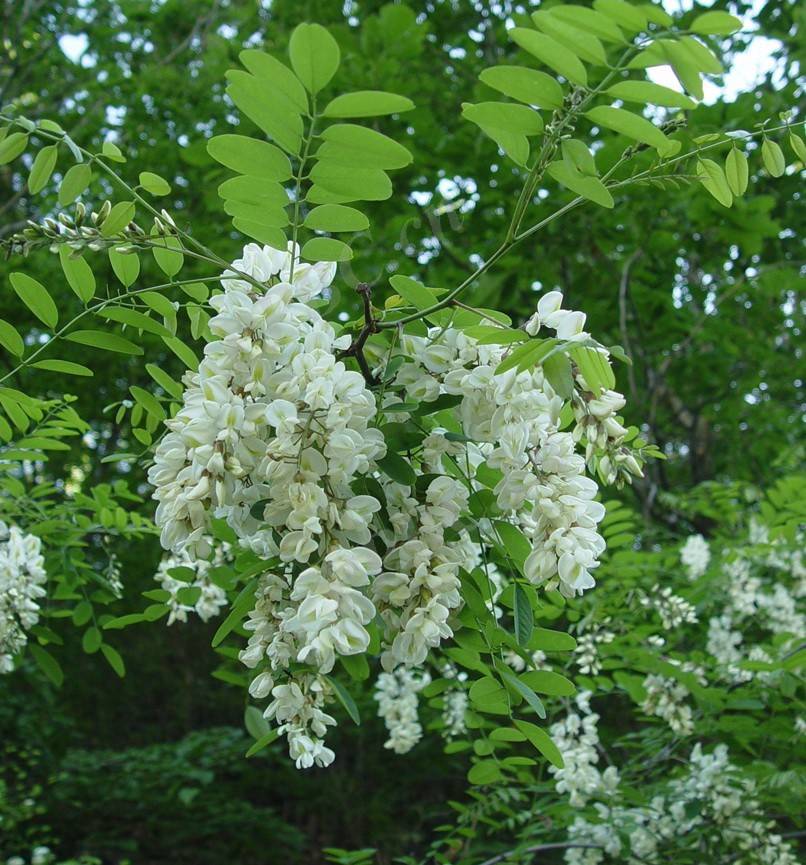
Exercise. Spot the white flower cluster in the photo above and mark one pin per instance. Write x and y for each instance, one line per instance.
(273, 431)
(273, 427)
(577, 738)
(22, 579)
(454, 713)
(396, 694)
(455, 700)
(666, 698)
(309, 619)
(514, 419)
(672, 609)
(695, 554)
(279, 438)
(709, 808)
(723, 643)
(587, 649)
(297, 708)
(419, 587)
(756, 600)
(212, 598)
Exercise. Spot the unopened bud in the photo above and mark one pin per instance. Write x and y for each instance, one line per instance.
(634, 466)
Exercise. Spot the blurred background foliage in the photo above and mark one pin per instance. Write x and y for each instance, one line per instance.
(150, 769)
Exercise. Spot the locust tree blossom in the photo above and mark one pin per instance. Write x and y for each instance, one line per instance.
(587, 649)
(710, 796)
(396, 694)
(278, 437)
(672, 609)
(666, 698)
(577, 738)
(211, 598)
(695, 555)
(22, 579)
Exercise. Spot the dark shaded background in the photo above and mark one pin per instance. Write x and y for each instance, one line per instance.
(150, 769)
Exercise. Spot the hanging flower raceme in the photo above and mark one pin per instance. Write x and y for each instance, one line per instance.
(396, 694)
(269, 416)
(195, 592)
(280, 439)
(514, 418)
(695, 555)
(22, 578)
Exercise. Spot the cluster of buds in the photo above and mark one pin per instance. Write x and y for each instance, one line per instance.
(606, 451)
(84, 230)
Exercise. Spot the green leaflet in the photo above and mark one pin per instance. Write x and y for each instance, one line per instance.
(336, 217)
(102, 340)
(338, 184)
(526, 85)
(649, 93)
(713, 179)
(126, 266)
(250, 156)
(36, 297)
(64, 366)
(541, 740)
(42, 168)
(367, 103)
(736, 171)
(277, 76)
(350, 144)
(118, 219)
(715, 24)
(78, 273)
(326, 249)
(588, 187)
(154, 184)
(629, 124)
(10, 339)
(585, 45)
(76, 179)
(315, 56)
(267, 108)
(550, 52)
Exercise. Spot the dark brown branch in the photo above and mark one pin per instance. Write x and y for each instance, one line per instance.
(356, 348)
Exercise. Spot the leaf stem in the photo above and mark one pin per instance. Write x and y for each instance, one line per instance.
(118, 299)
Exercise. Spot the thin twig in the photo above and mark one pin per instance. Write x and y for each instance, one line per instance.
(539, 848)
(356, 348)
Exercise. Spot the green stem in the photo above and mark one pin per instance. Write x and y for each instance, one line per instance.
(559, 123)
(97, 308)
(448, 299)
(691, 153)
(298, 187)
(206, 253)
